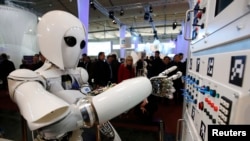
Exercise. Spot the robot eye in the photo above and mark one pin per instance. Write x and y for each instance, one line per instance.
(83, 43)
(70, 41)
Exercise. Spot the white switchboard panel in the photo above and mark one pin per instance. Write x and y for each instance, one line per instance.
(217, 90)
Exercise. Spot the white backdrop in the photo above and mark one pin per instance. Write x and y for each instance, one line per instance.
(17, 33)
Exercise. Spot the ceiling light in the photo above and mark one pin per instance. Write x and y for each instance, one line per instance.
(174, 25)
(146, 16)
(121, 12)
(92, 4)
(155, 35)
(150, 9)
(111, 14)
(114, 22)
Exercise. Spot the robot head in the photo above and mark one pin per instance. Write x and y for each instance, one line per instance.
(61, 37)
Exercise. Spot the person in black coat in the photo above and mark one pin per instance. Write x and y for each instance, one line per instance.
(6, 67)
(101, 73)
(178, 84)
(115, 67)
(157, 65)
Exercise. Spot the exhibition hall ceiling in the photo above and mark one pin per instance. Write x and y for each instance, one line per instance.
(137, 16)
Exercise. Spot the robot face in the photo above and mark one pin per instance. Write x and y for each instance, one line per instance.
(61, 36)
(73, 43)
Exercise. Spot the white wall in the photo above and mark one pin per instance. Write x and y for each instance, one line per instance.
(17, 33)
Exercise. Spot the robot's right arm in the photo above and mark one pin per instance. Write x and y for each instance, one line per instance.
(39, 107)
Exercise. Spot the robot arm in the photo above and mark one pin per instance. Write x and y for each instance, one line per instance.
(163, 85)
(50, 114)
(39, 107)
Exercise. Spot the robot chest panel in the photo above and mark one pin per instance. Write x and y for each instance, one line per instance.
(63, 82)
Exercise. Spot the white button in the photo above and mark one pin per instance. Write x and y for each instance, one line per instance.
(226, 104)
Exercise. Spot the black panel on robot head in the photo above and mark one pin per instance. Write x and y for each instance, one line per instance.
(83, 44)
(70, 41)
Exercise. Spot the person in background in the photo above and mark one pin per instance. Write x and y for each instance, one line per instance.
(6, 67)
(157, 65)
(101, 73)
(82, 61)
(149, 66)
(183, 64)
(35, 64)
(24, 65)
(126, 69)
(141, 66)
(115, 67)
(166, 60)
(181, 55)
(109, 62)
(86, 63)
(178, 84)
(41, 60)
(122, 60)
(89, 67)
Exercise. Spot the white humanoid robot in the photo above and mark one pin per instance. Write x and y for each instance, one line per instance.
(54, 99)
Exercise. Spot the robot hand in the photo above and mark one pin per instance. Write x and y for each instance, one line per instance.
(163, 85)
(108, 130)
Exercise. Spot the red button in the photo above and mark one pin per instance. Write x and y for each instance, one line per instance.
(201, 105)
(206, 99)
(212, 104)
(199, 14)
(216, 108)
(209, 101)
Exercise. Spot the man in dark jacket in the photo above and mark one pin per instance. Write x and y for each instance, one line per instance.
(6, 67)
(157, 65)
(101, 73)
(115, 68)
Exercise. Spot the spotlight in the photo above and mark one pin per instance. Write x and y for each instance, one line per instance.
(92, 4)
(111, 14)
(114, 22)
(150, 9)
(174, 25)
(155, 35)
(146, 16)
(121, 12)
(155, 32)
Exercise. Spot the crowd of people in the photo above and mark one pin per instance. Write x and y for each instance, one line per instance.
(7, 66)
(106, 70)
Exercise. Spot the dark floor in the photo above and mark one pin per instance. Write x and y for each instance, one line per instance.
(129, 126)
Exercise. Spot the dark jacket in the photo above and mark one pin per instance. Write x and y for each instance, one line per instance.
(101, 73)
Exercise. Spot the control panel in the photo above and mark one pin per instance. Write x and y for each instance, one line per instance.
(217, 90)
